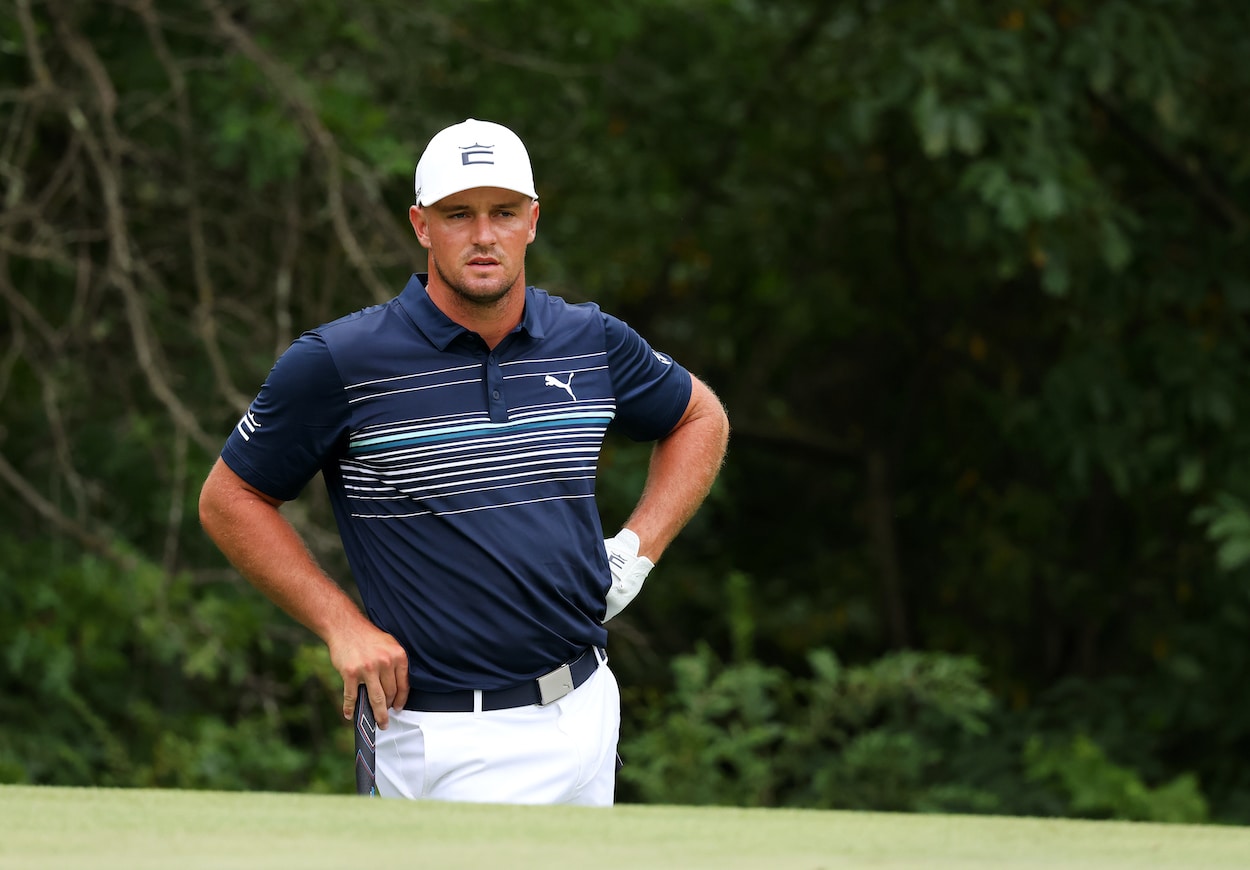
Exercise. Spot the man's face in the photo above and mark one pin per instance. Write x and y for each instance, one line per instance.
(477, 240)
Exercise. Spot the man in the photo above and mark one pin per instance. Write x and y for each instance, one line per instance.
(457, 428)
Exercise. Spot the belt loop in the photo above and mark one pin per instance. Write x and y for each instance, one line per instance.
(477, 700)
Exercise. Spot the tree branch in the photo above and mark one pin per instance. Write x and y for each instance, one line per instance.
(283, 80)
(1188, 176)
(101, 544)
(105, 152)
(206, 321)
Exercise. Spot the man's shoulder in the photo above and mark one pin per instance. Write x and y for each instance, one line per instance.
(364, 323)
(357, 317)
(556, 310)
(355, 342)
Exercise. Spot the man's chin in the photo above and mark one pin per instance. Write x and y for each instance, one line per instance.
(481, 292)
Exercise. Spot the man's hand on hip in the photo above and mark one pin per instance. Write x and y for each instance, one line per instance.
(629, 570)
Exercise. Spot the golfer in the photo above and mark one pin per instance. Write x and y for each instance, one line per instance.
(457, 428)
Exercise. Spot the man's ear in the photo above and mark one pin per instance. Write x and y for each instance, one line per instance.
(416, 217)
(533, 219)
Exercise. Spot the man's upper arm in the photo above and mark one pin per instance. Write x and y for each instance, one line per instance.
(297, 422)
(703, 403)
(223, 483)
(652, 391)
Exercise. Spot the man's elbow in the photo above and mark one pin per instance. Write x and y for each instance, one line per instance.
(222, 497)
(209, 505)
(713, 410)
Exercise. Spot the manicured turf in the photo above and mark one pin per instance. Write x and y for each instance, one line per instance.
(44, 827)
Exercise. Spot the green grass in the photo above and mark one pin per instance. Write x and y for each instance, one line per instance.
(44, 827)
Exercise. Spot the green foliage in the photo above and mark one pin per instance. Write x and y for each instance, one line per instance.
(1227, 522)
(908, 732)
(715, 741)
(117, 675)
(874, 734)
(1096, 787)
(867, 737)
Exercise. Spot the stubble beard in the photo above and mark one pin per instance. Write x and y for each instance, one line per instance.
(476, 296)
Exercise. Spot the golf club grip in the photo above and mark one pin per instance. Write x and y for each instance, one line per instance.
(366, 752)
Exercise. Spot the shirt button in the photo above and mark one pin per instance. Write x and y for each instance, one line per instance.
(495, 395)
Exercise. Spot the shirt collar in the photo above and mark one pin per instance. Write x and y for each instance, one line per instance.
(440, 329)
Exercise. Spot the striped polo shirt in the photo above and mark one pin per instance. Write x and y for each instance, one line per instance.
(462, 478)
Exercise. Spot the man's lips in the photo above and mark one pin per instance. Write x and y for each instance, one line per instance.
(483, 261)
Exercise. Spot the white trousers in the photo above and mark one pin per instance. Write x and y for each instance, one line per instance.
(563, 753)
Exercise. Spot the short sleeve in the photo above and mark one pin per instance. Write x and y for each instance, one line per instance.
(295, 425)
(652, 391)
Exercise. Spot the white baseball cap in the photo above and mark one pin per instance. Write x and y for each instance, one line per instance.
(473, 154)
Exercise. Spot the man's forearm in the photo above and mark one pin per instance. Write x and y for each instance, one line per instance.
(249, 529)
(254, 536)
(683, 466)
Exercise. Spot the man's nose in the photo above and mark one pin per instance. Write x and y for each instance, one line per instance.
(483, 229)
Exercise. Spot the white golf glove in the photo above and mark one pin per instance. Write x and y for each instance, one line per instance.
(628, 571)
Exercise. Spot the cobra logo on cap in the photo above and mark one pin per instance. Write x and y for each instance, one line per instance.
(473, 154)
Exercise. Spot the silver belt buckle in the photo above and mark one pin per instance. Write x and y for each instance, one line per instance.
(555, 685)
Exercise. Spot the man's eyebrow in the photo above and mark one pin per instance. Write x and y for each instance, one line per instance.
(464, 206)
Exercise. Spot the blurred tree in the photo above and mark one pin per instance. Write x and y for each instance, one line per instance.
(972, 279)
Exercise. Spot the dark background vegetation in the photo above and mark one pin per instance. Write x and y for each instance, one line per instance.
(971, 278)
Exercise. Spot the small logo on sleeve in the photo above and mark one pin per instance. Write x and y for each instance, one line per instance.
(662, 358)
(247, 426)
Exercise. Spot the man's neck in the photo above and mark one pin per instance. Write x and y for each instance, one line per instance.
(492, 321)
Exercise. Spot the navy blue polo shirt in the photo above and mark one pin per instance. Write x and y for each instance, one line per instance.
(462, 478)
